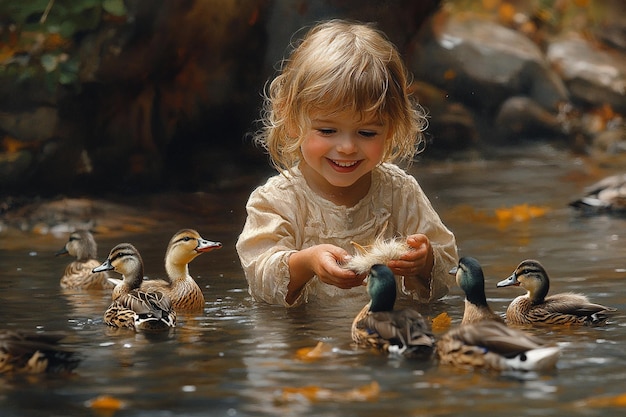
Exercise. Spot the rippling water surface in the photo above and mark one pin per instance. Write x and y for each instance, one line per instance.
(239, 357)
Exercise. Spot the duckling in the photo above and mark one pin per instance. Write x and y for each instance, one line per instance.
(378, 325)
(35, 353)
(606, 195)
(536, 307)
(470, 278)
(483, 341)
(181, 288)
(78, 274)
(380, 252)
(132, 307)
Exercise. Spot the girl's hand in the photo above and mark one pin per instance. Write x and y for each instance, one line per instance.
(418, 261)
(323, 261)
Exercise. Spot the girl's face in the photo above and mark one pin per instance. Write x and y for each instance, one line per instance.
(340, 150)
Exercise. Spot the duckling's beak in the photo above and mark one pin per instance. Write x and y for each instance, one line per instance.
(453, 270)
(207, 246)
(507, 282)
(62, 252)
(106, 266)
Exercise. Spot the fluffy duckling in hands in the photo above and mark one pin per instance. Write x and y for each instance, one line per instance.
(537, 307)
(35, 353)
(181, 288)
(471, 279)
(132, 307)
(379, 326)
(380, 252)
(78, 273)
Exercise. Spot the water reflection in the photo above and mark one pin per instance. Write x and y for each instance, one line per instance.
(238, 357)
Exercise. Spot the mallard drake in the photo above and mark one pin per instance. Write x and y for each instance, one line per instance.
(132, 307)
(180, 287)
(491, 345)
(378, 325)
(483, 341)
(470, 278)
(536, 307)
(35, 353)
(606, 195)
(380, 252)
(78, 273)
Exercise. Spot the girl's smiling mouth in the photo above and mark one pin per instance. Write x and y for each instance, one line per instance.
(343, 165)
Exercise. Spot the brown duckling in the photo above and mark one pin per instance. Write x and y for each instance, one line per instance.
(35, 353)
(537, 307)
(133, 307)
(78, 273)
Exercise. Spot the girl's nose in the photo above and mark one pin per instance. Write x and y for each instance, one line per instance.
(346, 144)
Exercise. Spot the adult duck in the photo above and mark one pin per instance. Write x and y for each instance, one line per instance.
(537, 307)
(483, 341)
(402, 332)
(471, 279)
(180, 287)
(78, 273)
(131, 306)
(35, 353)
(606, 195)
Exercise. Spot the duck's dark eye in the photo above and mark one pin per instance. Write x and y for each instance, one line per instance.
(187, 238)
(523, 357)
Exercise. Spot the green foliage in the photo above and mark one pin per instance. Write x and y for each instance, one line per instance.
(60, 20)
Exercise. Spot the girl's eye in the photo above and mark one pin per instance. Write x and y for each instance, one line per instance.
(367, 133)
(326, 131)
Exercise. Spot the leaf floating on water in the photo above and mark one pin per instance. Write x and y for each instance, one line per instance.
(320, 351)
(520, 213)
(441, 322)
(610, 401)
(314, 393)
(105, 405)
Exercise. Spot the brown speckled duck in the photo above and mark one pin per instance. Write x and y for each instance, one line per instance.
(181, 288)
(132, 307)
(78, 273)
(35, 353)
(402, 332)
(470, 278)
(538, 308)
(483, 341)
(605, 196)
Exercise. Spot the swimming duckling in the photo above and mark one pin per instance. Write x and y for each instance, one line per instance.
(536, 307)
(606, 195)
(483, 341)
(78, 274)
(35, 353)
(181, 288)
(380, 252)
(378, 325)
(132, 307)
(470, 278)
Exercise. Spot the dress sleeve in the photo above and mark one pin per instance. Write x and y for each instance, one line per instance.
(416, 215)
(265, 244)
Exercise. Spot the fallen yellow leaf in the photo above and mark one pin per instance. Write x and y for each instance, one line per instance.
(313, 393)
(441, 322)
(314, 353)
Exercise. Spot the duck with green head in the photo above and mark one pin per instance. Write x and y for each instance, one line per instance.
(483, 341)
(403, 332)
(538, 308)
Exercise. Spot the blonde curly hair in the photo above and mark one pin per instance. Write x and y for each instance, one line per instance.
(340, 65)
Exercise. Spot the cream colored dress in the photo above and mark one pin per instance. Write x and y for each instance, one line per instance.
(285, 215)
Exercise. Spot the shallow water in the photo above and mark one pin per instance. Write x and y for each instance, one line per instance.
(239, 358)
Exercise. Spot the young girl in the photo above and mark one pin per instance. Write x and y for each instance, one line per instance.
(335, 118)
